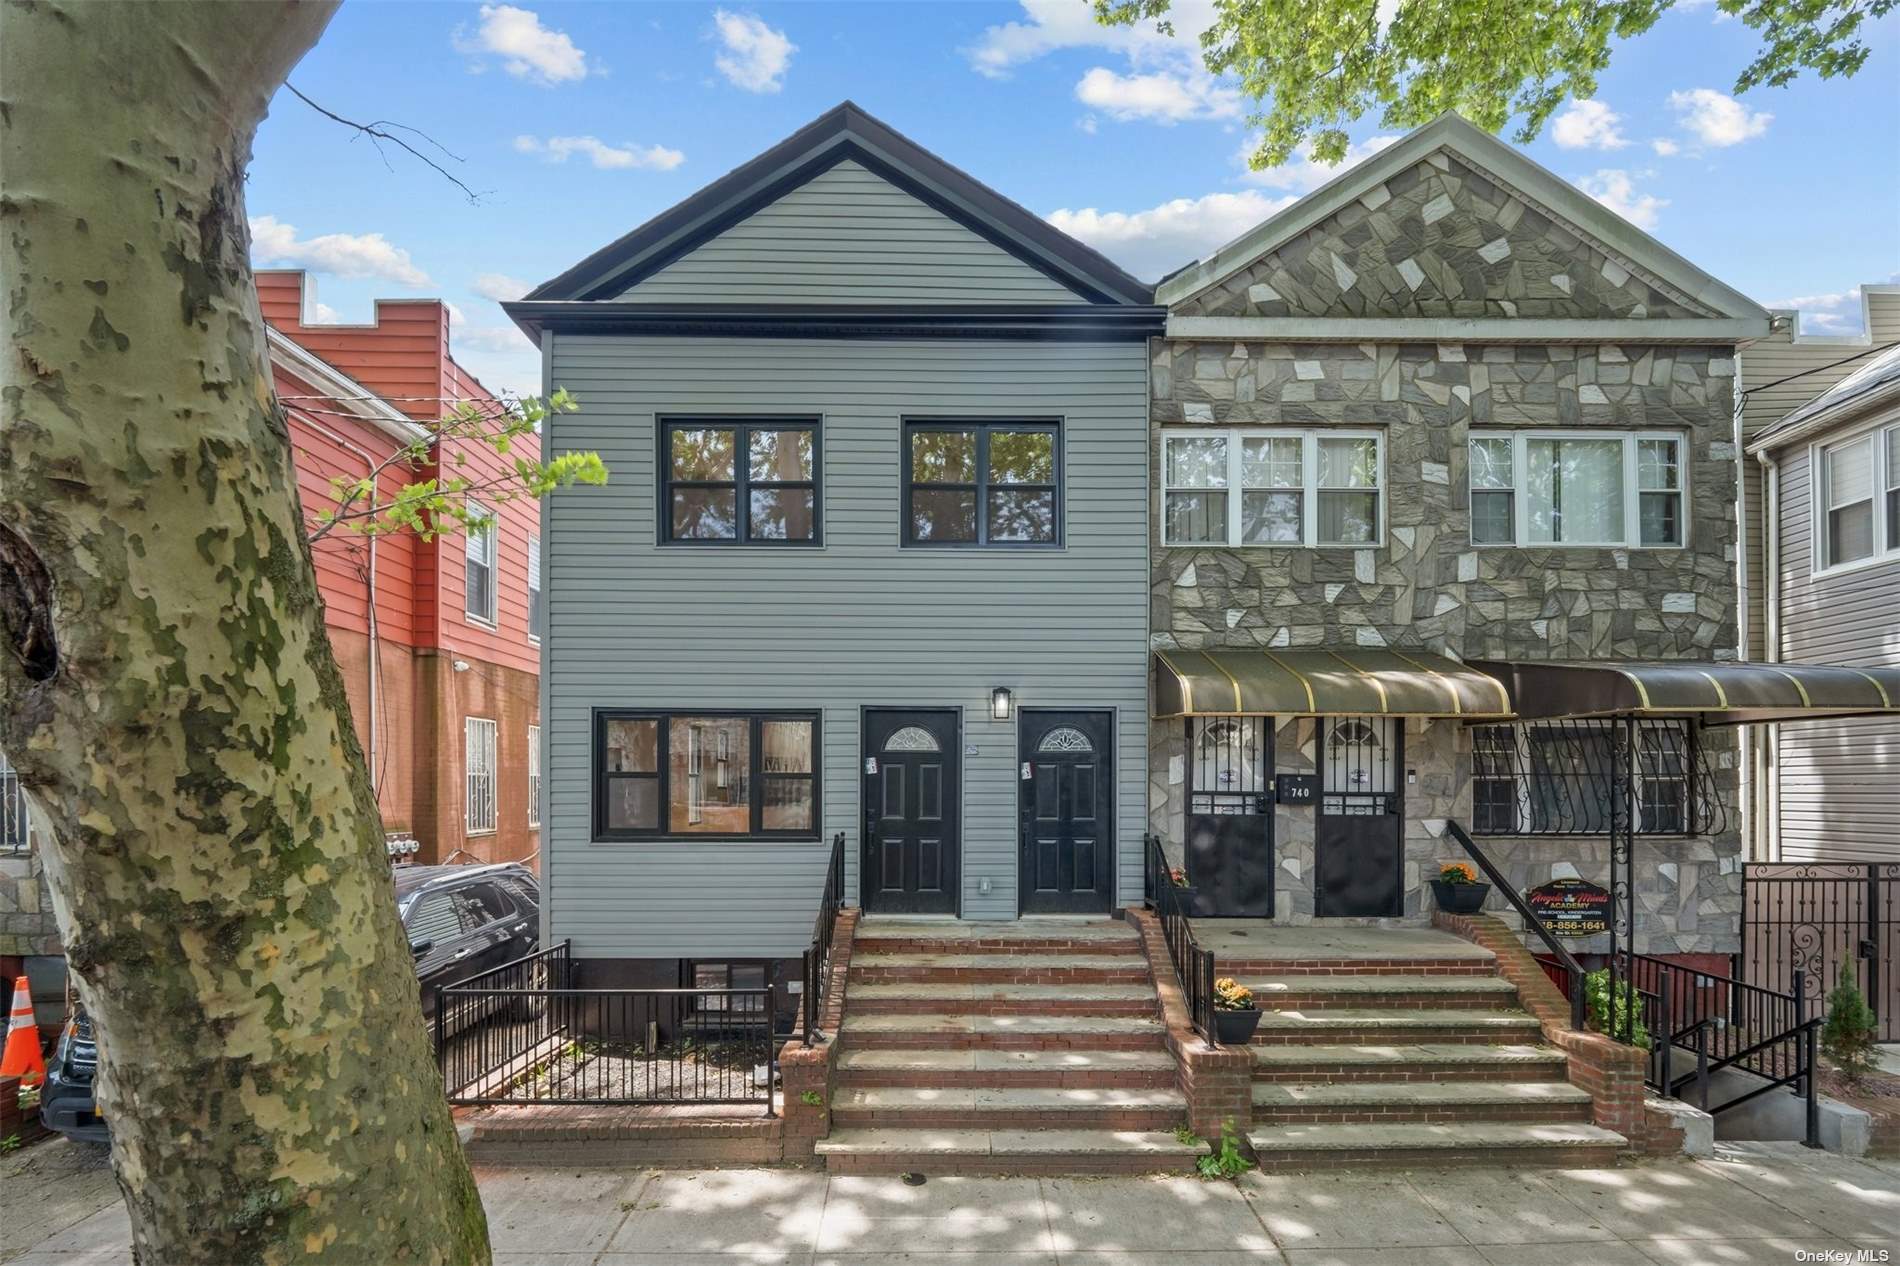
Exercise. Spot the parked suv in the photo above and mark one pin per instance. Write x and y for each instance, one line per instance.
(66, 1105)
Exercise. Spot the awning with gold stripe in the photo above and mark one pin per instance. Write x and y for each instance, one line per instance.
(1356, 682)
(1720, 693)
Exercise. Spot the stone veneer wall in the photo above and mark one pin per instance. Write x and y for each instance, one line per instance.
(27, 924)
(1426, 587)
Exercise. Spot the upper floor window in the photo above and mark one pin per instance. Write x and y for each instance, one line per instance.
(982, 483)
(1585, 488)
(536, 613)
(687, 774)
(479, 575)
(1857, 498)
(1272, 487)
(727, 481)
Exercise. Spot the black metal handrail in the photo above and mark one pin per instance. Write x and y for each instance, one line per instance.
(1193, 965)
(1573, 970)
(817, 962)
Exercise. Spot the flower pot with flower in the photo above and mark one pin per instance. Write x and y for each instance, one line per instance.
(1184, 892)
(1235, 1015)
(1458, 889)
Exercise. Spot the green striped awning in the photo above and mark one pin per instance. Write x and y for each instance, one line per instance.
(1356, 682)
(1720, 693)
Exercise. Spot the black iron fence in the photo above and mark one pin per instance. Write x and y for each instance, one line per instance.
(520, 1034)
(1701, 1024)
(1560, 961)
(1802, 920)
(1193, 965)
(817, 961)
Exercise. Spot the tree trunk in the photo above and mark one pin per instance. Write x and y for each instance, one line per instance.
(169, 696)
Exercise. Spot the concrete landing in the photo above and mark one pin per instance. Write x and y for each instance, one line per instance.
(1251, 940)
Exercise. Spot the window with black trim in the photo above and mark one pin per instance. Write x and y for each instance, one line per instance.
(731, 481)
(686, 775)
(969, 483)
(1560, 777)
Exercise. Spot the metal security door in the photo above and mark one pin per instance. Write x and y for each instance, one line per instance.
(1067, 856)
(911, 797)
(1359, 857)
(1230, 816)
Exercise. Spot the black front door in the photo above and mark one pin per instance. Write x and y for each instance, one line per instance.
(911, 796)
(1230, 816)
(1359, 855)
(1066, 863)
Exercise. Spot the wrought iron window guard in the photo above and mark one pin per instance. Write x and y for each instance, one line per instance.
(1560, 778)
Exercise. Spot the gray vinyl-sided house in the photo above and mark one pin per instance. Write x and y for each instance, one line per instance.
(873, 562)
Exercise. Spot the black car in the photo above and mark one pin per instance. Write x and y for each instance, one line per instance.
(461, 920)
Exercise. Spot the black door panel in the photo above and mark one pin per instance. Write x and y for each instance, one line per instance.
(911, 798)
(1229, 820)
(1359, 843)
(1066, 864)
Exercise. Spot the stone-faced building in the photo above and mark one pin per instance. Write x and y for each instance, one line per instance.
(1445, 409)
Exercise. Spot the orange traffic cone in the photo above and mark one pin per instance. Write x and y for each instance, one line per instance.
(22, 1058)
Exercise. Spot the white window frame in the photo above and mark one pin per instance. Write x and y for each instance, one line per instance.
(478, 769)
(1309, 489)
(1632, 494)
(534, 586)
(1884, 435)
(534, 776)
(491, 535)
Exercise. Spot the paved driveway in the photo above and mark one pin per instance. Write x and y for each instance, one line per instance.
(1755, 1203)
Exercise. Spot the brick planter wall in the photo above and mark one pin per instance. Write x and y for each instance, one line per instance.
(1217, 1082)
(805, 1069)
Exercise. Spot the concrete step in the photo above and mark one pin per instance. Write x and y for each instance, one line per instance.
(883, 935)
(1321, 1146)
(941, 1067)
(1381, 991)
(1053, 968)
(1001, 1032)
(1443, 1061)
(1448, 1102)
(1363, 1026)
(1004, 999)
(1397, 965)
(970, 1108)
(1009, 1152)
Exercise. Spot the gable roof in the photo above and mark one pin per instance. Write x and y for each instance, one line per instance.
(844, 132)
(1449, 132)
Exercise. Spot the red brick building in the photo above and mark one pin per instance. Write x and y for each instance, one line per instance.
(437, 639)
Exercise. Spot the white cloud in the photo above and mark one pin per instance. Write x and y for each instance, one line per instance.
(528, 50)
(1665, 148)
(1616, 189)
(1588, 125)
(340, 254)
(324, 314)
(1838, 313)
(1051, 25)
(1157, 241)
(500, 287)
(492, 338)
(1163, 96)
(1716, 118)
(756, 56)
(558, 149)
(1303, 175)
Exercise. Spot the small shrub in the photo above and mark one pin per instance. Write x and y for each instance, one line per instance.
(812, 1099)
(1629, 1008)
(11, 1143)
(1184, 1135)
(1228, 1161)
(1231, 995)
(1847, 1039)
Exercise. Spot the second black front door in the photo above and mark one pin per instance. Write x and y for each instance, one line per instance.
(1359, 849)
(1067, 857)
(911, 798)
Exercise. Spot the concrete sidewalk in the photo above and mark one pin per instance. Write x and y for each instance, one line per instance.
(1754, 1203)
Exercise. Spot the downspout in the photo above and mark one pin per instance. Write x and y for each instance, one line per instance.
(1749, 737)
(1771, 647)
(375, 648)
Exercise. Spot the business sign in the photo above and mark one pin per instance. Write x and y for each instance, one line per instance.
(1296, 788)
(1571, 907)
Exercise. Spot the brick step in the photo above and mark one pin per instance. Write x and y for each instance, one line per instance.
(1570, 1145)
(1292, 993)
(1106, 936)
(1450, 1102)
(1352, 1026)
(999, 969)
(1267, 968)
(1004, 999)
(1078, 1108)
(1002, 1032)
(1006, 1152)
(939, 1067)
(1448, 1061)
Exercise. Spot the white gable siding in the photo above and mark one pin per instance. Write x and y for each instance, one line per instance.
(849, 236)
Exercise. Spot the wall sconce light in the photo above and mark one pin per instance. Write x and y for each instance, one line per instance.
(1001, 701)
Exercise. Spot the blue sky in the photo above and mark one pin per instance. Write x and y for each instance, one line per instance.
(580, 121)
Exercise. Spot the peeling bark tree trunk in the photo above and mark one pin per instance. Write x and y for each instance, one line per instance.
(166, 686)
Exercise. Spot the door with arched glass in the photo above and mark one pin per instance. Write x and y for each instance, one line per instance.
(1066, 863)
(912, 796)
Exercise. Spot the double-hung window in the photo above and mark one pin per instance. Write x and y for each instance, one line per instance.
(478, 763)
(1534, 488)
(1857, 498)
(693, 774)
(1272, 487)
(479, 550)
(536, 611)
(982, 483)
(729, 481)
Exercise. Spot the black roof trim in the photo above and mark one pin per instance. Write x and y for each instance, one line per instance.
(846, 131)
(1062, 322)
